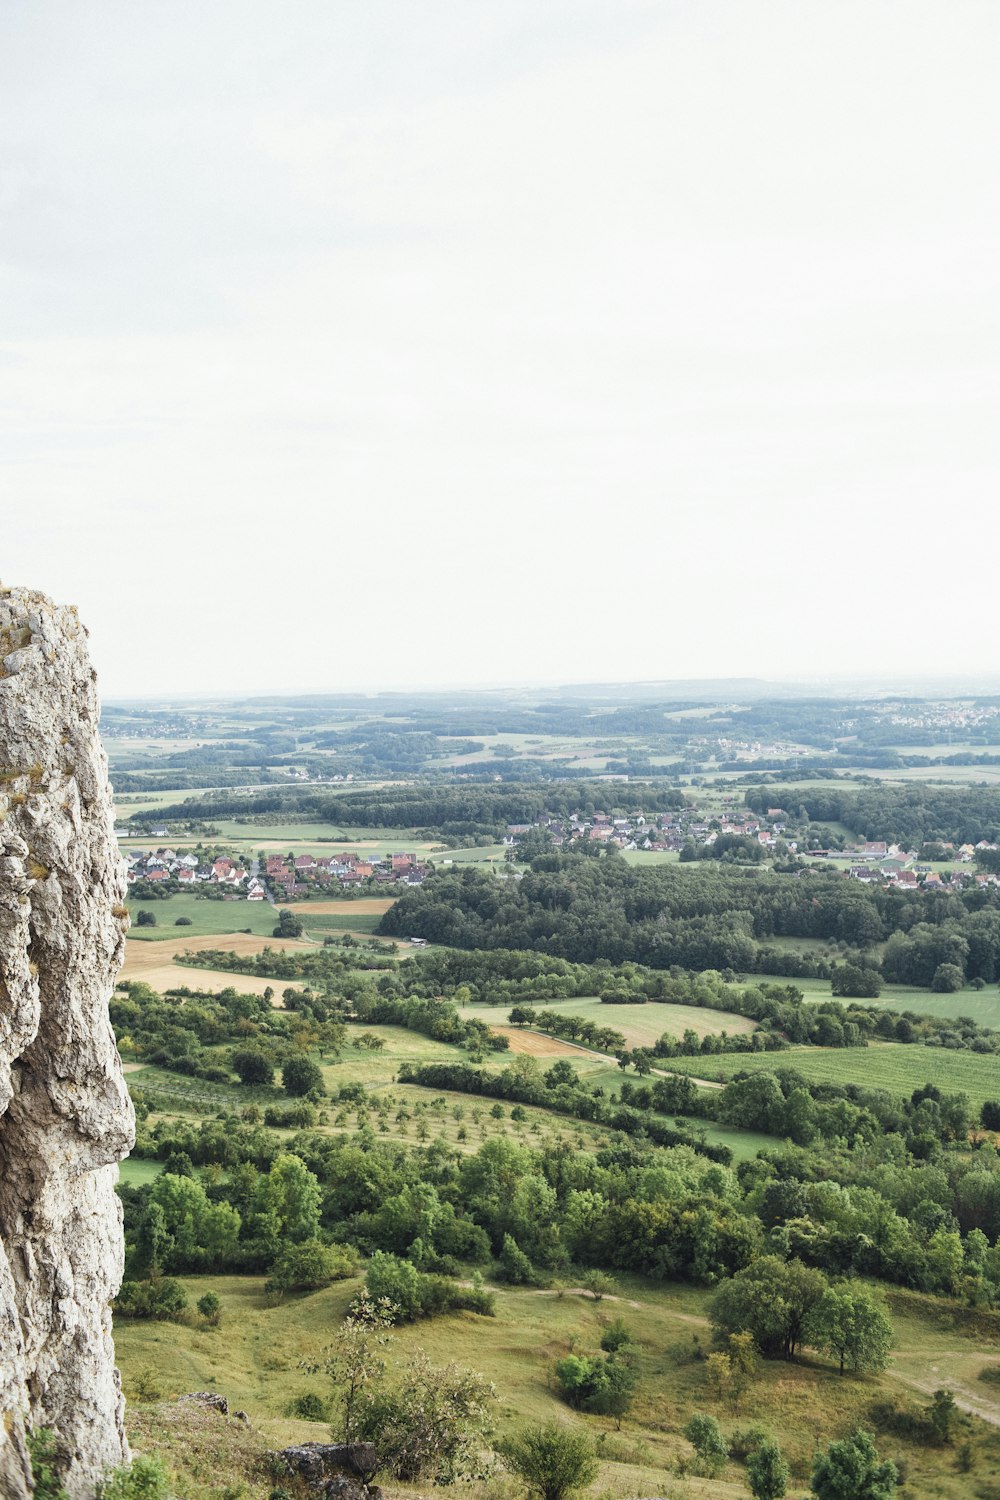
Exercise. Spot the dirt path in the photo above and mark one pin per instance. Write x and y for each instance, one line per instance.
(970, 1401)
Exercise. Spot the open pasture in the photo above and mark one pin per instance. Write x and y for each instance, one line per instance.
(483, 854)
(320, 925)
(897, 1067)
(650, 856)
(136, 1172)
(896, 996)
(206, 918)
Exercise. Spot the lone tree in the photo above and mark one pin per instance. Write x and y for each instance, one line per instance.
(300, 1075)
(851, 1323)
(942, 1414)
(551, 1460)
(252, 1067)
(705, 1436)
(850, 1470)
(289, 926)
(771, 1299)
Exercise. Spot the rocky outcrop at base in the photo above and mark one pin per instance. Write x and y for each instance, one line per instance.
(65, 1114)
(335, 1471)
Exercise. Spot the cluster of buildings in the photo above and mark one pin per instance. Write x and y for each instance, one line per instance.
(666, 831)
(189, 871)
(307, 875)
(880, 863)
(874, 862)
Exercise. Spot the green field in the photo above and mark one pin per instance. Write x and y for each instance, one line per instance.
(207, 918)
(894, 996)
(483, 854)
(320, 924)
(134, 1171)
(982, 1005)
(650, 856)
(893, 1066)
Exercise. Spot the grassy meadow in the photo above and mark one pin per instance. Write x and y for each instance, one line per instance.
(894, 1066)
(205, 917)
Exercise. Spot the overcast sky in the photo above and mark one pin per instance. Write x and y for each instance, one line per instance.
(361, 343)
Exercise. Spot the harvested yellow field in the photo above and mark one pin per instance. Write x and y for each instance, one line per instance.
(364, 906)
(153, 962)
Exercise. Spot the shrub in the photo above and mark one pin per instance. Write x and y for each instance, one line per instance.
(767, 1472)
(309, 1266)
(615, 1336)
(515, 1266)
(160, 1298)
(743, 1441)
(598, 1283)
(183, 922)
(551, 1460)
(210, 1307)
(145, 919)
(942, 1415)
(414, 1294)
(310, 1406)
(705, 1436)
(852, 1467)
(602, 1386)
(143, 1479)
(431, 1423)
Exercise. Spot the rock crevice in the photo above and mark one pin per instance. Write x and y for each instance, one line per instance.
(65, 1114)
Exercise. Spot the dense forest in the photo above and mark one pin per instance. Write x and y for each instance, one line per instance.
(706, 916)
(911, 815)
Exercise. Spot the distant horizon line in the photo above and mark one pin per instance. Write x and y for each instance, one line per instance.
(848, 685)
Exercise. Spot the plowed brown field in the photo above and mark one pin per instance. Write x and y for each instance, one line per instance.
(533, 1045)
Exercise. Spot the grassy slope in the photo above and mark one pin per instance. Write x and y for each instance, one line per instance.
(255, 1359)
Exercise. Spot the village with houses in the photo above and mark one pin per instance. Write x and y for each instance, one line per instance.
(274, 878)
(688, 832)
(689, 829)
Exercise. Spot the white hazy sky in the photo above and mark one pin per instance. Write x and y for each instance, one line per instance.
(371, 342)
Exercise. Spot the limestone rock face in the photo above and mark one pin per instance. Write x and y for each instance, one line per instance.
(65, 1114)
